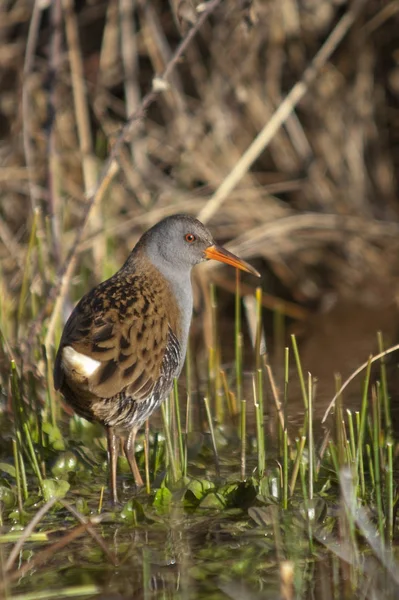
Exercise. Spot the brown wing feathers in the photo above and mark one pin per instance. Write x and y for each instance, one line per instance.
(124, 324)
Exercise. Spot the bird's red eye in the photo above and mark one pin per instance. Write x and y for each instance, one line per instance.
(190, 238)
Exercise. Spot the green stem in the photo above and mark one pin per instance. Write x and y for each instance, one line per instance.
(285, 470)
(390, 492)
(212, 432)
(243, 437)
(169, 441)
(238, 336)
(384, 387)
(178, 422)
(300, 372)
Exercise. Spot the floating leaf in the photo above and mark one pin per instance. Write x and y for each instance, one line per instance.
(65, 463)
(199, 487)
(7, 496)
(213, 500)
(132, 512)
(54, 488)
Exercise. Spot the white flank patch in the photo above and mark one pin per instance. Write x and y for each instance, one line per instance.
(81, 363)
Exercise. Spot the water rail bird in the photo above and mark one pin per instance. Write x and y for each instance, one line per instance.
(126, 339)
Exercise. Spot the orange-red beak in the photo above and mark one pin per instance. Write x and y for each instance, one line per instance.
(222, 255)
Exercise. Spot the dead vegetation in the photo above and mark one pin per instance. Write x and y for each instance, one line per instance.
(278, 124)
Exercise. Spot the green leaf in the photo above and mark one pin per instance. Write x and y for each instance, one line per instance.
(65, 463)
(54, 488)
(132, 512)
(7, 496)
(9, 469)
(162, 498)
(199, 487)
(55, 436)
(82, 506)
(213, 500)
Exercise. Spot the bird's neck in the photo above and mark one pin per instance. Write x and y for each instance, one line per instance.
(180, 284)
(179, 294)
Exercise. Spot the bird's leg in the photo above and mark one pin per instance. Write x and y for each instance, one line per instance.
(131, 457)
(112, 462)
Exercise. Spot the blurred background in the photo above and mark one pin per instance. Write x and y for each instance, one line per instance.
(316, 213)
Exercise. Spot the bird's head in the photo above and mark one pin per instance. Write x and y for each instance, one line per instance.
(181, 241)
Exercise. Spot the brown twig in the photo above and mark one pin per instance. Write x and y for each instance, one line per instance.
(355, 374)
(27, 532)
(90, 529)
(80, 97)
(82, 116)
(54, 199)
(26, 112)
(130, 60)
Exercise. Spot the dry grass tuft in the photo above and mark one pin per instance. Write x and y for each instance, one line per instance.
(83, 82)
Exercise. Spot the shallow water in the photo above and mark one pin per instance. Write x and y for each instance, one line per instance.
(179, 549)
(210, 535)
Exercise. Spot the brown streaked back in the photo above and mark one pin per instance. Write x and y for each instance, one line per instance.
(124, 325)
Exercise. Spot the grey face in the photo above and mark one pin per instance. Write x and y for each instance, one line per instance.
(179, 241)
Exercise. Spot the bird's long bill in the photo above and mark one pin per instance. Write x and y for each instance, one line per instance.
(222, 255)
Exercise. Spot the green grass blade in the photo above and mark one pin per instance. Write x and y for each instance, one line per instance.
(384, 387)
(213, 438)
(243, 433)
(238, 338)
(300, 372)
